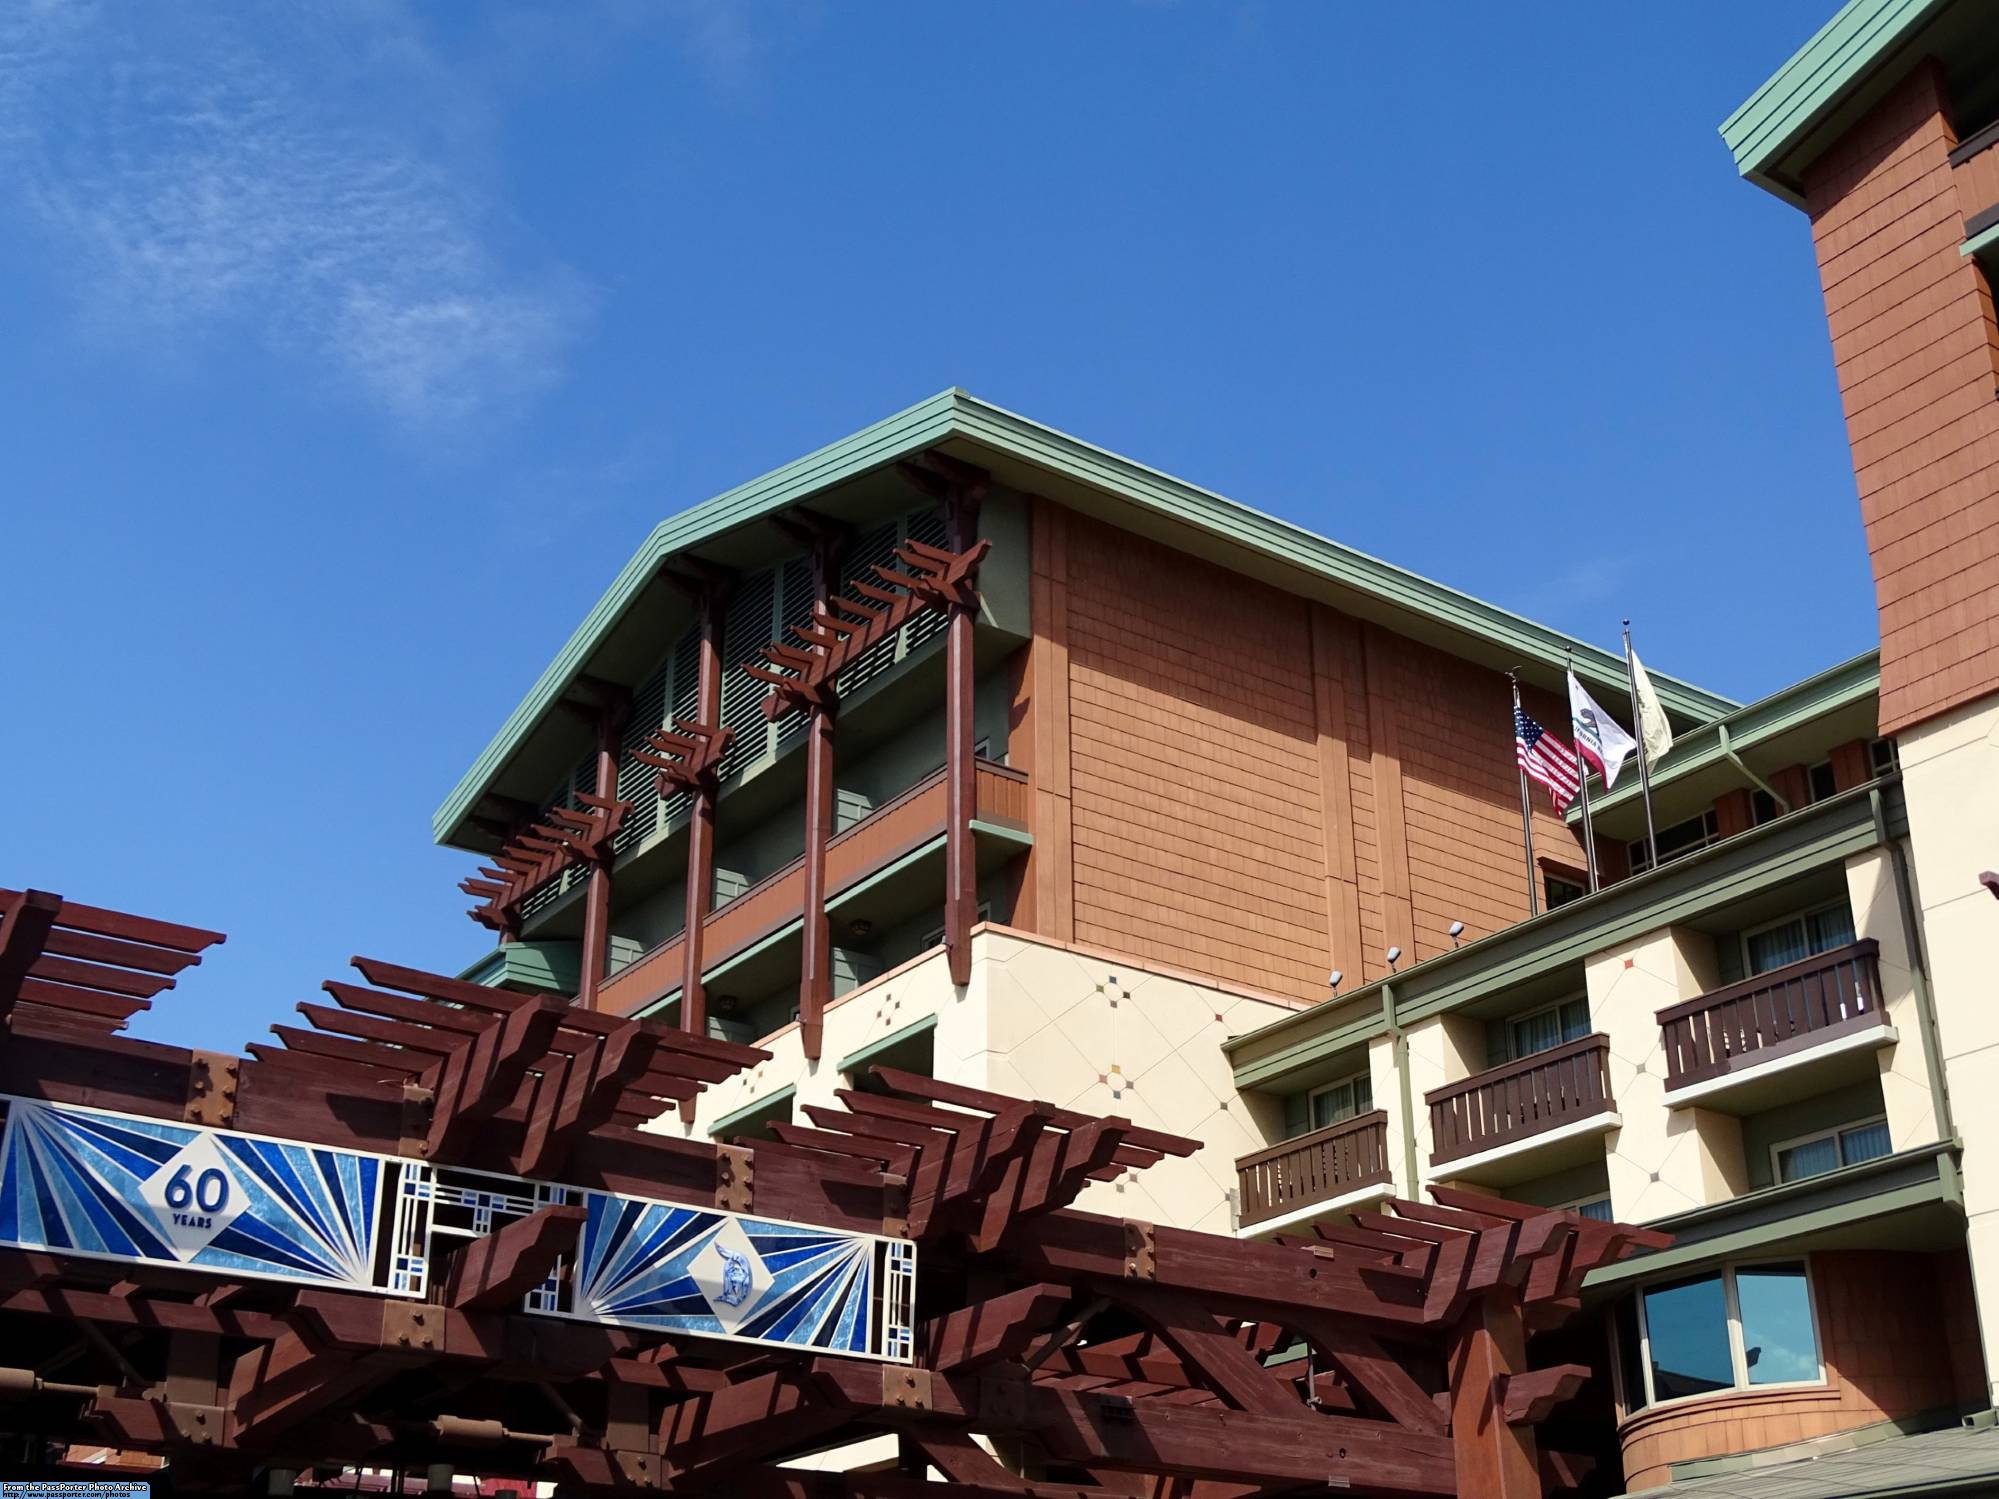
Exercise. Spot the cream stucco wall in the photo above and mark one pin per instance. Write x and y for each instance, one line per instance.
(1442, 1049)
(1660, 1160)
(1950, 782)
(1064, 1024)
(1905, 1073)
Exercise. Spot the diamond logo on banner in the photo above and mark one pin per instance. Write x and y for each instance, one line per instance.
(730, 1274)
(194, 1196)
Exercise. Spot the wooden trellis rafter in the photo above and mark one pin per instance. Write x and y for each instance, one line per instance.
(686, 756)
(843, 629)
(537, 854)
(1137, 1358)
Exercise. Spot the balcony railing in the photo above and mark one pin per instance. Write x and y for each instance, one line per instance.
(893, 829)
(1786, 1010)
(1518, 1100)
(1314, 1168)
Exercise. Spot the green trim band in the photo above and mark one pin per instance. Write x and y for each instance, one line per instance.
(1778, 851)
(874, 1049)
(1717, 742)
(1766, 131)
(1893, 1184)
(749, 1110)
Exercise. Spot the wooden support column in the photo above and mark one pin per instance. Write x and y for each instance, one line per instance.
(815, 971)
(701, 821)
(1495, 1458)
(597, 895)
(961, 865)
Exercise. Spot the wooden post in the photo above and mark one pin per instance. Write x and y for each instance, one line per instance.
(961, 869)
(701, 822)
(597, 896)
(815, 958)
(1495, 1460)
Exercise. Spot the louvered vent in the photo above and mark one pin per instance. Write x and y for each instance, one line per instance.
(796, 607)
(927, 526)
(686, 705)
(638, 783)
(747, 629)
(869, 549)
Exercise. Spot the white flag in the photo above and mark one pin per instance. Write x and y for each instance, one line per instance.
(1652, 725)
(1600, 737)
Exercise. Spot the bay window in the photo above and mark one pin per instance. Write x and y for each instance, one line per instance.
(1739, 1327)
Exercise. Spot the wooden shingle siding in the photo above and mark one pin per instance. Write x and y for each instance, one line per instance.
(1254, 787)
(1917, 353)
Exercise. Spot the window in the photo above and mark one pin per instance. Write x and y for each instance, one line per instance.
(1849, 1145)
(1762, 807)
(1560, 891)
(1596, 1208)
(1675, 842)
(1881, 753)
(1820, 782)
(1544, 1030)
(1345, 1099)
(1737, 1327)
(1797, 937)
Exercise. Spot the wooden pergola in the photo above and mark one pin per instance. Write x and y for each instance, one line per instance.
(1044, 1351)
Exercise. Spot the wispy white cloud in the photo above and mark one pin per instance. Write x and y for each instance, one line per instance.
(299, 173)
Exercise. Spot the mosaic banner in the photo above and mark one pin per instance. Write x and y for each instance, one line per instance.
(122, 1187)
(118, 1187)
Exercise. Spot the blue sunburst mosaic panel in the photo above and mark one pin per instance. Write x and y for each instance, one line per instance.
(123, 1187)
(118, 1187)
(715, 1274)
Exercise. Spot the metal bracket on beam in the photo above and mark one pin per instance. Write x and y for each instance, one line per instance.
(417, 1101)
(735, 1178)
(895, 1210)
(211, 1089)
(1141, 1259)
(905, 1388)
(412, 1326)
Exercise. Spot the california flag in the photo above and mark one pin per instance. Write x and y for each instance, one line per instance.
(1600, 737)
(1652, 725)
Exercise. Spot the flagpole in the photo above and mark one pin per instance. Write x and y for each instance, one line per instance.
(1589, 834)
(1582, 777)
(1526, 812)
(1644, 760)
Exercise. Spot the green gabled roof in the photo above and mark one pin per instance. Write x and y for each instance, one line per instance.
(1037, 459)
(1851, 50)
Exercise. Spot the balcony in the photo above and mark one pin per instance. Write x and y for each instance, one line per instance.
(1975, 172)
(1524, 1118)
(1782, 1035)
(1328, 1170)
(895, 834)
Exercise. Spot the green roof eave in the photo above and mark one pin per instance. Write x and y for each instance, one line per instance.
(1709, 746)
(1862, 37)
(1048, 461)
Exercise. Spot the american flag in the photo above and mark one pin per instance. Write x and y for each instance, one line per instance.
(1546, 759)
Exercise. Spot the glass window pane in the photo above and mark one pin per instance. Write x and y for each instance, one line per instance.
(1630, 1364)
(1363, 1094)
(1599, 1210)
(1864, 1142)
(1323, 1105)
(1777, 946)
(1688, 1323)
(1537, 1033)
(1796, 1162)
(1777, 1340)
(1830, 928)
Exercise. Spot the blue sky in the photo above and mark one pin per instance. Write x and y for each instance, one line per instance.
(349, 350)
